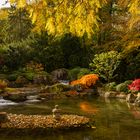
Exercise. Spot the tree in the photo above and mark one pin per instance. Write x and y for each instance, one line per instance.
(19, 24)
(78, 17)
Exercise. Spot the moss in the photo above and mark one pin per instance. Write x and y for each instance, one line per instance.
(73, 73)
(110, 86)
(57, 88)
(83, 71)
(29, 75)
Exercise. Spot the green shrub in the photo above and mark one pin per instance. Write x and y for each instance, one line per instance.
(122, 87)
(29, 75)
(128, 82)
(110, 86)
(73, 73)
(105, 64)
(132, 63)
(83, 71)
(13, 76)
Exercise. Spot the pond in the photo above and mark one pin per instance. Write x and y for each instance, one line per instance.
(114, 119)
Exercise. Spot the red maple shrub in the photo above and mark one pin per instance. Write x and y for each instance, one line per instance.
(135, 85)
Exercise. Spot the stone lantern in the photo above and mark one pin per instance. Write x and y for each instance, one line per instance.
(56, 113)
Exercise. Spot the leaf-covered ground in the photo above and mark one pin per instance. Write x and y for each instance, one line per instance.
(44, 121)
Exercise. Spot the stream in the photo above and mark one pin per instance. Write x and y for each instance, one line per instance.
(114, 119)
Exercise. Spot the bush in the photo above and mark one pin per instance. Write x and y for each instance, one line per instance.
(86, 81)
(128, 82)
(135, 85)
(83, 71)
(132, 63)
(34, 67)
(105, 64)
(122, 87)
(13, 76)
(29, 75)
(73, 73)
(110, 86)
(16, 55)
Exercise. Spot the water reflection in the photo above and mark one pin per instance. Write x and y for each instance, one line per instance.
(88, 108)
(114, 120)
(135, 111)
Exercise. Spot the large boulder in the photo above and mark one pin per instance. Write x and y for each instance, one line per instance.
(15, 97)
(60, 74)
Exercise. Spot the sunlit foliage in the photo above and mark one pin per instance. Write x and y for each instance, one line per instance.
(86, 81)
(3, 85)
(61, 16)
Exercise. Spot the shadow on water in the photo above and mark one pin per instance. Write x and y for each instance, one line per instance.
(114, 119)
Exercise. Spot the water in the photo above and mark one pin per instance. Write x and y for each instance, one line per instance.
(6, 102)
(114, 119)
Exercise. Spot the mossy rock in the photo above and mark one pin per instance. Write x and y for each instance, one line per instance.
(60, 74)
(57, 88)
(43, 78)
(15, 97)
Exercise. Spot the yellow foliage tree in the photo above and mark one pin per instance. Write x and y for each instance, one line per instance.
(133, 9)
(78, 17)
(86, 81)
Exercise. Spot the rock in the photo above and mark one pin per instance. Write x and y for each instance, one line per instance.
(21, 81)
(60, 74)
(15, 97)
(42, 79)
(78, 88)
(109, 94)
(3, 117)
(48, 96)
(32, 97)
(121, 95)
(137, 100)
(130, 98)
(57, 88)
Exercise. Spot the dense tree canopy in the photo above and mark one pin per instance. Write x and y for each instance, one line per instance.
(68, 33)
(78, 17)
